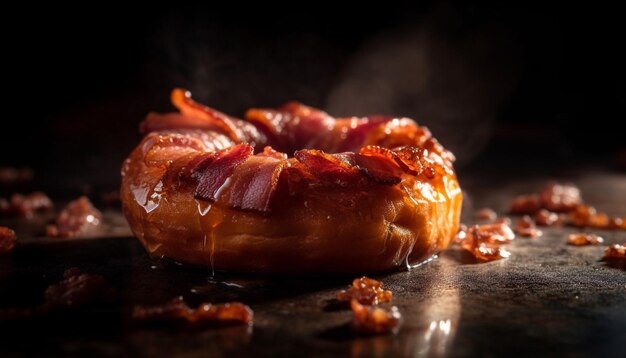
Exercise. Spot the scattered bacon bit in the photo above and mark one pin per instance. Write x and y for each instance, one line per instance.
(525, 204)
(525, 226)
(76, 218)
(489, 252)
(616, 251)
(9, 175)
(560, 197)
(617, 223)
(7, 239)
(75, 290)
(206, 313)
(583, 216)
(547, 218)
(563, 198)
(25, 205)
(493, 233)
(366, 291)
(486, 214)
(374, 319)
(584, 239)
(483, 241)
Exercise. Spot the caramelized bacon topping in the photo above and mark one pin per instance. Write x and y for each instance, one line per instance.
(78, 217)
(616, 251)
(254, 182)
(374, 319)
(584, 239)
(328, 168)
(7, 239)
(366, 291)
(206, 314)
(213, 172)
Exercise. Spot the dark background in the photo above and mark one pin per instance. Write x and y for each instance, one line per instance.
(530, 83)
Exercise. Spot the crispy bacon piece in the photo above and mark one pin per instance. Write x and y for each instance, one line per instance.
(584, 239)
(379, 164)
(358, 131)
(366, 291)
(486, 214)
(374, 319)
(25, 205)
(583, 216)
(78, 217)
(525, 226)
(253, 184)
(328, 168)
(206, 314)
(616, 251)
(76, 290)
(7, 239)
(547, 218)
(493, 233)
(617, 223)
(560, 197)
(213, 172)
(483, 241)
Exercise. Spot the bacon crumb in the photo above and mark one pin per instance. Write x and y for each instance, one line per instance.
(366, 291)
(207, 313)
(560, 197)
(486, 214)
(616, 251)
(374, 319)
(547, 218)
(525, 226)
(75, 290)
(78, 217)
(7, 239)
(25, 205)
(584, 239)
(483, 241)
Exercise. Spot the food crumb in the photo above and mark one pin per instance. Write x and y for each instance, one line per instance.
(584, 239)
(366, 291)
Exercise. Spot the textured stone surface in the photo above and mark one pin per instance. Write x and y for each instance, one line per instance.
(548, 298)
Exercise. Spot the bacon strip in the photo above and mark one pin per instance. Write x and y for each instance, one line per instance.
(329, 168)
(254, 182)
(214, 171)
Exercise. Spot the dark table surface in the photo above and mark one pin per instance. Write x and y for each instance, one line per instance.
(546, 299)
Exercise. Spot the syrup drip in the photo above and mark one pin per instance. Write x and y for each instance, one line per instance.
(210, 218)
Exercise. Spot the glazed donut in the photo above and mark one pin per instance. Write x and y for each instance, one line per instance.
(358, 195)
